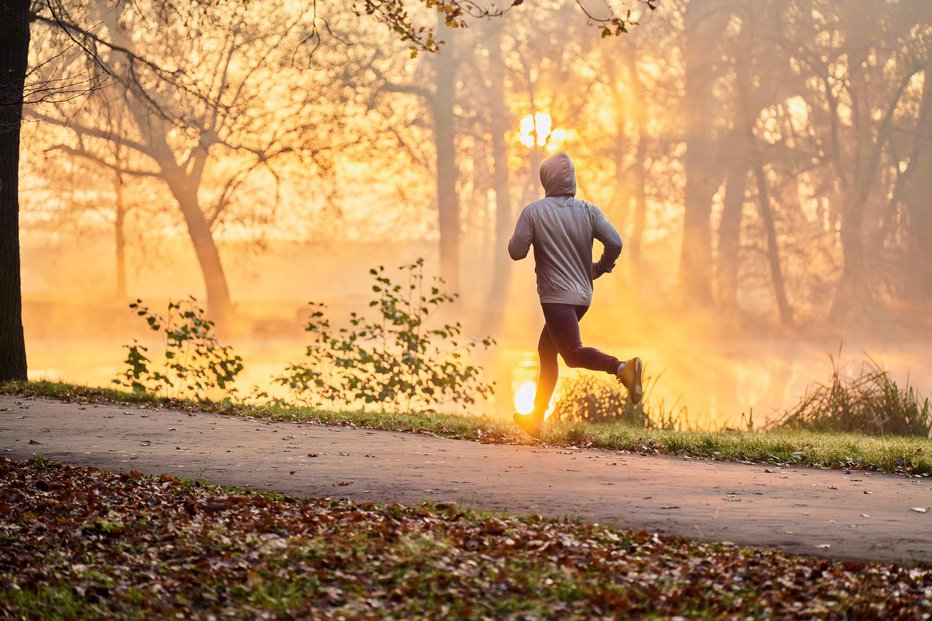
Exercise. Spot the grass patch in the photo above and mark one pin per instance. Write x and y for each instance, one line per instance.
(893, 454)
(870, 402)
(223, 553)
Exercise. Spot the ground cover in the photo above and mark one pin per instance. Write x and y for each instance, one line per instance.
(893, 454)
(84, 543)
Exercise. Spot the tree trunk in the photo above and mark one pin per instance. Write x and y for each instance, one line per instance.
(501, 268)
(916, 189)
(14, 52)
(855, 283)
(120, 236)
(729, 233)
(617, 210)
(920, 228)
(773, 251)
(447, 200)
(219, 306)
(704, 25)
(638, 171)
(534, 189)
(859, 274)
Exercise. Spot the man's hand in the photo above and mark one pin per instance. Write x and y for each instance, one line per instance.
(596, 272)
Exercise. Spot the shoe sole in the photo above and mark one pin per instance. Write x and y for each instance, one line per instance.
(638, 391)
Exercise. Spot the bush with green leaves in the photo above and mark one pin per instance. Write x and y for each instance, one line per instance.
(584, 397)
(394, 359)
(195, 365)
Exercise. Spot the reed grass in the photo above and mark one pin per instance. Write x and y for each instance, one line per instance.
(870, 402)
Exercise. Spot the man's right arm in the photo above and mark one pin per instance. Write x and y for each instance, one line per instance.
(523, 237)
(603, 231)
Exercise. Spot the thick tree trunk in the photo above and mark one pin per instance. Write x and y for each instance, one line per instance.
(729, 234)
(447, 200)
(617, 210)
(704, 24)
(14, 52)
(501, 268)
(920, 227)
(534, 190)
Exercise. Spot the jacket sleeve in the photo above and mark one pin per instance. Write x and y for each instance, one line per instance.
(523, 237)
(603, 231)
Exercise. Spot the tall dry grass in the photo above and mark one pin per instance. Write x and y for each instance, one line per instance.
(870, 402)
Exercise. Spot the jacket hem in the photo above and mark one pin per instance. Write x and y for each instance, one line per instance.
(565, 297)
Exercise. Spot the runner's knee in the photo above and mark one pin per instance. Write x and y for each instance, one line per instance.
(572, 358)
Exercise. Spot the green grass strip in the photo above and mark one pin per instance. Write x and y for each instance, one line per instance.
(893, 454)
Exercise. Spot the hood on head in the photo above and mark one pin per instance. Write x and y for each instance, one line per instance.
(558, 175)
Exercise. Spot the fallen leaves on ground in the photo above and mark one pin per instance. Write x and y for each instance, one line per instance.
(84, 543)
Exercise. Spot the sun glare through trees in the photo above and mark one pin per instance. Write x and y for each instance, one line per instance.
(700, 228)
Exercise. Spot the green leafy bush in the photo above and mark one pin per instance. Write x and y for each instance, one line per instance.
(194, 363)
(870, 403)
(587, 398)
(395, 359)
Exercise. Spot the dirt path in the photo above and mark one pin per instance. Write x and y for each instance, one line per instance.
(827, 513)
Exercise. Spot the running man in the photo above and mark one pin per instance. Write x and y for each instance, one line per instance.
(562, 229)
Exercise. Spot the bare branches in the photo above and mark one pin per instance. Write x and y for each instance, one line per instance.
(93, 132)
(84, 153)
(88, 41)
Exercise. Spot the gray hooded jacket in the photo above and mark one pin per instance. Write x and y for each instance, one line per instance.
(562, 228)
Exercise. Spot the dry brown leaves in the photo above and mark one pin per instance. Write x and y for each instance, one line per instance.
(79, 542)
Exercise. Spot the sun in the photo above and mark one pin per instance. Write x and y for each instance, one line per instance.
(537, 130)
(524, 398)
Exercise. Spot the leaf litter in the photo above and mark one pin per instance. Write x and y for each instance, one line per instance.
(85, 543)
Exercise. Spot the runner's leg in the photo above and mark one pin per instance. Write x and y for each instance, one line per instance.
(563, 329)
(549, 368)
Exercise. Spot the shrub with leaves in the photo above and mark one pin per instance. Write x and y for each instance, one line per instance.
(588, 398)
(395, 359)
(194, 364)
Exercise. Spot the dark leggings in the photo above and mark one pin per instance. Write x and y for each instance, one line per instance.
(561, 336)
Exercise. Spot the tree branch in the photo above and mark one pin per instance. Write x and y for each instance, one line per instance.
(85, 154)
(93, 133)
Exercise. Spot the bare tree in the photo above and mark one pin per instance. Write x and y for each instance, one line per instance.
(861, 77)
(228, 112)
